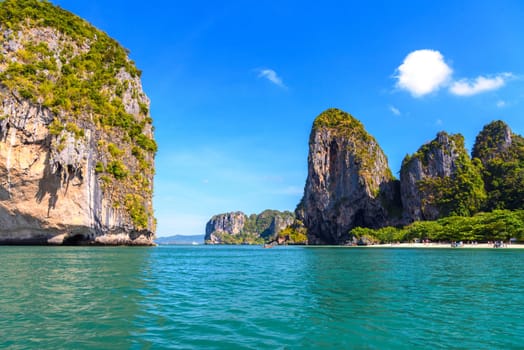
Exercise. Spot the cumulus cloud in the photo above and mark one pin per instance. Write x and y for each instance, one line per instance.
(422, 72)
(272, 76)
(466, 87)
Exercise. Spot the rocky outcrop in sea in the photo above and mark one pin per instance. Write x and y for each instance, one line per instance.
(76, 139)
(349, 182)
(239, 228)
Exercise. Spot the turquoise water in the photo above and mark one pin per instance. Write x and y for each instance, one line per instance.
(198, 297)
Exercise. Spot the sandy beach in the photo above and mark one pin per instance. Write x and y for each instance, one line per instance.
(444, 245)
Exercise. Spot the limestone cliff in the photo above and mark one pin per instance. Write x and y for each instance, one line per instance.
(502, 155)
(76, 139)
(238, 228)
(228, 223)
(349, 182)
(440, 180)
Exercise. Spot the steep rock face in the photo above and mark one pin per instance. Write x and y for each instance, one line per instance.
(228, 223)
(237, 227)
(349, 183)
(502, 155)
(76, 147)
(440, 180)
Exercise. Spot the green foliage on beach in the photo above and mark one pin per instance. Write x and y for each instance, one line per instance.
(482, 227)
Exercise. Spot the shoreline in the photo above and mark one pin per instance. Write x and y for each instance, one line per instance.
(441, 245)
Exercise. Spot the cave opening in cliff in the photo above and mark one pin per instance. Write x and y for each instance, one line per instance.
(359, 219)
(77, 239)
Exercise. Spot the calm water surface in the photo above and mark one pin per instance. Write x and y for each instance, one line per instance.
(198, 297)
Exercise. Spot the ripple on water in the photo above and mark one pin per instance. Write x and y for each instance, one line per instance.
(246, 297)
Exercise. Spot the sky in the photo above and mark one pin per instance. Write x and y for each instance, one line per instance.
(235, 86)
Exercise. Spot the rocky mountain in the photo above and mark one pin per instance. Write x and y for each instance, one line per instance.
(239, 228)
(76, 138)
(502, 155)
(440, 180)
(349, 182)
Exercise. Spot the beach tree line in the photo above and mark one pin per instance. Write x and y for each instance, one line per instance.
(498, 225)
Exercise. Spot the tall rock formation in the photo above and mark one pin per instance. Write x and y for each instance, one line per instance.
(440, 180)
(76, 141)
(238, 228)
(227, 223)
(502, 155)
(349, 182)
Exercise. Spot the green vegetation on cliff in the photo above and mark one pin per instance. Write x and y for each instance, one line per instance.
(252, 229)
(58, 61)
(502, 155)
(345, 125)
(460, 193)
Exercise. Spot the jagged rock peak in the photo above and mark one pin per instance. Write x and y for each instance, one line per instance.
(349, 182)
(435, 176)
(76, 138)
(494, 140)
(502, 154)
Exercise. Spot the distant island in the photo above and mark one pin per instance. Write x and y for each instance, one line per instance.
(76, 136)
(266, 227)
(443, 194)
(180, 240)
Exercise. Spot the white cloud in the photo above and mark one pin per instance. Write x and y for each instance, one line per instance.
(465, 87)
(422, 72)
(501, 104)
(439, 122)
(394, 110)
(272, 76)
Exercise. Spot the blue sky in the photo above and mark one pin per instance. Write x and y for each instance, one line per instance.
(236, 85)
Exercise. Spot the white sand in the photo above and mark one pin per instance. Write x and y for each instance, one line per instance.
(442, 245)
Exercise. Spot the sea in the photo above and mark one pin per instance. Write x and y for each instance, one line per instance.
(247, 297)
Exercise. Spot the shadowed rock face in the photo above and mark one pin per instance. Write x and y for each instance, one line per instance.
(349, 183)
(59, 184)
(440, 179)
(229, 223)
(437, 159)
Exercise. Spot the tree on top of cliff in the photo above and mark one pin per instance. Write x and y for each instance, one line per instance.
(345, 125)
(337, 119)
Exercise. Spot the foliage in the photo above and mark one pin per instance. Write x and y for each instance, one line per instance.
(117, 169)
(294, 234)
(241, 238)
(137, 211)
(482, 227)
(80, 74)
(460, 193)
(114, 150)
(502, 155)
(263, 223)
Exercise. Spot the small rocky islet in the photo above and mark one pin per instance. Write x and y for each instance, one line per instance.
(350, 185)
